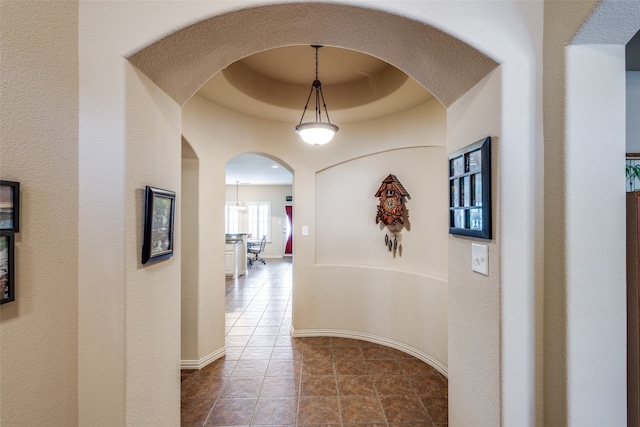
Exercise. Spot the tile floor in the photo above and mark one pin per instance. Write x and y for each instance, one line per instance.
(268, 378)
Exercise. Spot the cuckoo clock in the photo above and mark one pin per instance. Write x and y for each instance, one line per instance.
(391, 210)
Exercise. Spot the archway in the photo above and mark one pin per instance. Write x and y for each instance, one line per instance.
(398, 51)
(351, 319)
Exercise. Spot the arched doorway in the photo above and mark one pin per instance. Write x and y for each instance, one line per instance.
(407, 55)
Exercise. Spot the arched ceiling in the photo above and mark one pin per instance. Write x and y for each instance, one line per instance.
(185, 60)
(275, 84)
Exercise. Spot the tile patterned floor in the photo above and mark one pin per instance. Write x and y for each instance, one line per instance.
(268, 378)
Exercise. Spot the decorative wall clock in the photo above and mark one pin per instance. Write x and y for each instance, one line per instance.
(392, 212)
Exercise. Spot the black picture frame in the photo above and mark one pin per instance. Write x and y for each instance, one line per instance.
(10, 206)
(470, 190)
(159, 220)
(7, 267)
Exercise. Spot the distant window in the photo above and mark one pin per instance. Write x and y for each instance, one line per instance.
(259, 220)
(231, 219)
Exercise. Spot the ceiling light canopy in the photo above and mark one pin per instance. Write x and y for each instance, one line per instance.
(317, 132)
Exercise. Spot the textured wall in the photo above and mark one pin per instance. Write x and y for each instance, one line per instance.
(474, 299)
(39, 148)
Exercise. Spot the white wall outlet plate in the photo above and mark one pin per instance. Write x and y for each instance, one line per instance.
(305, 230)
(480, 258)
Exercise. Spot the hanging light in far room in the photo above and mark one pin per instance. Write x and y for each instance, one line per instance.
(318, 132)
(237, 205)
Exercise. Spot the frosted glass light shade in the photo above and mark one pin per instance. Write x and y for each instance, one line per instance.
(317, 133)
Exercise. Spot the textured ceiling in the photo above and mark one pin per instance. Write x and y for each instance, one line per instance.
(270, 75)
(275, 84)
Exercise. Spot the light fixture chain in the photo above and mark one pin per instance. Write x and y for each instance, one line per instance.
(317, 62)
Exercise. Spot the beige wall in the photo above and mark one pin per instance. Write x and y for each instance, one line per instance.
(39, 148)
(474, 299)
(359, 153)
(189, 258)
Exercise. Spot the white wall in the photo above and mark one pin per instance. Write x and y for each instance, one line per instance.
(596, 274)
(276, 196)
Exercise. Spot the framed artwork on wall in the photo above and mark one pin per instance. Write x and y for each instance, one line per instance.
(7, 270)
(470, 190)
(159, 219)
(10, 206)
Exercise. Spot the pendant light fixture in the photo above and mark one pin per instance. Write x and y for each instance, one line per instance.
(317, 132)
(237, 205)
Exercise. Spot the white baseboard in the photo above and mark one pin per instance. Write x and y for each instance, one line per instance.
(201, 363)
(374, 339)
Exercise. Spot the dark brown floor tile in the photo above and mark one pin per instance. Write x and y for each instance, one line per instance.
(428, 385)
(393, 386)
(231, 412)
(318, 341)
(424, 424)
(383, 367)
(361, 409)
(219, 368)
(438, 409)
(194, 412)
(404, 409)
(318, 386)
(347, 353)
(250, 368)
(379, 352)
(417, 367)
(242, 387)
(280, 412)
(317, 366)
(318, 410)
(344, 342)
(283, 368)
(202, 388)
(186, 373)
(279, 387)
(351, 367)
(352, 385)
(266, 371)
(312, 352)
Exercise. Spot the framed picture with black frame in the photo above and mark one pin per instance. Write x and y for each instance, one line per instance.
(10, 206)
(470, 190)
(159, 220)
(7, 267)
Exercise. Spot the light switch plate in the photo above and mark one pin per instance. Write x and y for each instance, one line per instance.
(305, 230)
(480, 258)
